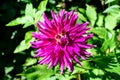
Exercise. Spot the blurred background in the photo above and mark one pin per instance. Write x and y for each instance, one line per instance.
(18, 19)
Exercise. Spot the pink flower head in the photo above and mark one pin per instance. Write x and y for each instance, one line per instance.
(61, 40)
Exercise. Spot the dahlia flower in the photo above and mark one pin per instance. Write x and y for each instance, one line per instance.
(61, 40)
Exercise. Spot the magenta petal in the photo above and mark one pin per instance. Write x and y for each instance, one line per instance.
(43, 60)
(70, 50)
(47, 20)
(39, 54)
(56, 61)
(84, 45)
(86, 53)
(62, 65)
(54, 16)
(73, 20)
(50, 65)
(66, 20)
(48, 61)
(75, 58)
(61, 13)
(68, 63)
(89, 36)
(83, 57)
(71, 13)
(76, 49)
(81, 39)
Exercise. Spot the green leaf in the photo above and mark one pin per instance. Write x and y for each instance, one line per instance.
(82, 10)
(30, 15)
(29, 21)
(114, 68)
(103, 61)
(112, 9)
(26, 1)
(86, 64)
(20, 47)
(65, 76)
(108, 1)
(100, 20)
(21, 20)
(28, 39)
(38, 72)
(14, 22)
(42, 5)
(28, 24)
(25, 44)
(105, 45)
(8, 69)
(91, 14)
(61, 77)
(82, 17)
(78, 69)
(101, 32)
(29, 10)
(30, 61)
(98, 72)
(83, 69)
(41, 9)
(109, 43)
(96, 78)
(38, 15)
(118, 17)
(110, 22)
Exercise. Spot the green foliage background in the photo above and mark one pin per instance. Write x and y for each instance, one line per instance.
(18, 19)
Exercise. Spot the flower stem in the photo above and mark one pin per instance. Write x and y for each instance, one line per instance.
(79, 77)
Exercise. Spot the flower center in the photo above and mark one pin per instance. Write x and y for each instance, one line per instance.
(62, 39)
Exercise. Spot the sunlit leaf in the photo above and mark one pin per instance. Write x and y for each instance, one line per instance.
(82, 10)
(110, 22)
(101, 32)
(42, 5)
(41, 9)
(38, 72)
(108, 1)
(28, 39)
(112, 9)
(30, 61)
(20, 47)
(91, 14)
(14, 22)
(86, 64)
(78, 69)
(21, 20)
(82, 17)
(8, 69)
(25, 44)
(98, 72)
(100, 20)
(38, 15)
(97, 78)
(29, 10)
(109, 43)
(28, 24)
(27, 20)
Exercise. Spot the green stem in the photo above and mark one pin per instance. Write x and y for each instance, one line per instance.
(79, 77)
